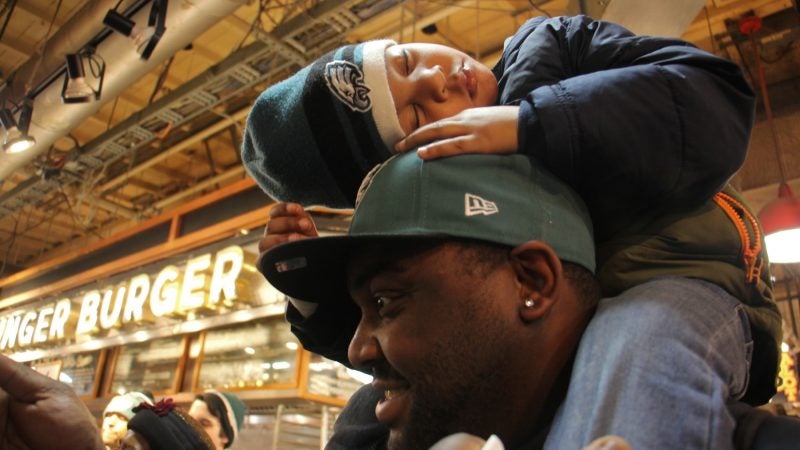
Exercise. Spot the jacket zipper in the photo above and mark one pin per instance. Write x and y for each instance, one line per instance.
(751, 240)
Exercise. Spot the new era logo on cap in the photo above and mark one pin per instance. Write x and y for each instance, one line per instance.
(474, 205)
(346, 82)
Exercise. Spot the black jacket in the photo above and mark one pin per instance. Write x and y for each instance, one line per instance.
(647, 130)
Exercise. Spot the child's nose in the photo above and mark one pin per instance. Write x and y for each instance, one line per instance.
(434, 83)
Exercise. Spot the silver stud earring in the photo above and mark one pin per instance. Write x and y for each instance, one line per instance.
(529, 303)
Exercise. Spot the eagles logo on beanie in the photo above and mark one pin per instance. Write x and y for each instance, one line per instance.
(346, 82)
(312, 137)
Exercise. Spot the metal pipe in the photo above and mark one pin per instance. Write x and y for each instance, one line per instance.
(70, 37)
(52, 119)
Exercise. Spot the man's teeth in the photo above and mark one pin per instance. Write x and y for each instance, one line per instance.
(388, 394)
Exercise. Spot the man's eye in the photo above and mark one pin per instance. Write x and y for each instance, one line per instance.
(382, 302)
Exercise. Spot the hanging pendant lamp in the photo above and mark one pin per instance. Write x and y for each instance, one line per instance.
(780, 219)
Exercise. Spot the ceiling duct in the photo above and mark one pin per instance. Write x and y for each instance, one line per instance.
(653, 17)
(71, 37)
(52, 119)
(648, 17)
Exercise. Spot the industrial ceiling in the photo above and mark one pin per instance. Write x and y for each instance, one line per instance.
(167, 129)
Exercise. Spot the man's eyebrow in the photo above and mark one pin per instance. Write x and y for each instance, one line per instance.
(370, 272)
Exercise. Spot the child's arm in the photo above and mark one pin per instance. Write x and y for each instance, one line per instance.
(629, 121)
(321, 328)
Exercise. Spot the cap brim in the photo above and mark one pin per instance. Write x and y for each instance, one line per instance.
(315, 269)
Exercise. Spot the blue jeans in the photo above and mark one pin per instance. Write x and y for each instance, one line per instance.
(657, 366)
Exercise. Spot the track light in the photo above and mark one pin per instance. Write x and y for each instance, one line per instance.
(17, 139)
(76, 89)
(144, 38)
(430, 29)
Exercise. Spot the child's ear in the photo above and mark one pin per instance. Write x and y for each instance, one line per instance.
(539, 272)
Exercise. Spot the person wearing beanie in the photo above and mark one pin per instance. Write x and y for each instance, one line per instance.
(647, 130)
(164, 426)
(117, 414)
(312, 137)
(331, 122)
(221, 414)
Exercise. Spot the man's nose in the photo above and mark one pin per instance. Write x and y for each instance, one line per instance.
(364, 348)
(434, 83)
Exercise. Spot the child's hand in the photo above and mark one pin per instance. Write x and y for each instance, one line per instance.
(490, 129)
(287, 222)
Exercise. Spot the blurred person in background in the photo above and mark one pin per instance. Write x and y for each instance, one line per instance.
(164, 426)
(221, 414)
(117, 414)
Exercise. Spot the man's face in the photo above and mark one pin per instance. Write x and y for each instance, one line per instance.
(437, 334)
(114, 428)
(199, 412)
(431, 82)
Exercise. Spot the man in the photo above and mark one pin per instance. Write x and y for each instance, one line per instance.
(621, 118)
(473, 277)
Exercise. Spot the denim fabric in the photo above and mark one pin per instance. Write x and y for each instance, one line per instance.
(657, 366)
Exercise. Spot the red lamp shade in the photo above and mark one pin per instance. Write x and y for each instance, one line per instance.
(780, 221)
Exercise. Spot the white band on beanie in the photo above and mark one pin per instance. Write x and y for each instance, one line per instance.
(234, 425)
(376, 78)
(123, 404)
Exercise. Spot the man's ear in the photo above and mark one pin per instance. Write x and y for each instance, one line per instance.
(539, 273)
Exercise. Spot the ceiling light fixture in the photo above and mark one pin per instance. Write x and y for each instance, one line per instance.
(144, 38)
(17, 139)
(430, 29)
(780, 219)
(76, 88)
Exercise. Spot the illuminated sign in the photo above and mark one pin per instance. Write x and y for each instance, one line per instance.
(204, 282)
(788, 377)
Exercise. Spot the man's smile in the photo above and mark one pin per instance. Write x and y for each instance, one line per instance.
(396, 400)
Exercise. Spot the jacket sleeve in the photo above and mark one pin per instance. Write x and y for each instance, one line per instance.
(327, 331)
(628, 121)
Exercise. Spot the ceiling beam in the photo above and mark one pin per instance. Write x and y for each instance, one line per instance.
(222, 124)
(17, 46)
(46, 17)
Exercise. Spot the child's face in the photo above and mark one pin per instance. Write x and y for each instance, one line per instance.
(114, 428)
(431, 82)
(200, 412)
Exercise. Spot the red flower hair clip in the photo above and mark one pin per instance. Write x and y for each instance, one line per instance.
(162, 408)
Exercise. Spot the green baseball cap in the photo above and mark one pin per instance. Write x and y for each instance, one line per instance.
(498, 199)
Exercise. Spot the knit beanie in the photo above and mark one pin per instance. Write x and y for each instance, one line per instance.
(233, 415)
(314, 136)
(123, 404)
(166, 427)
